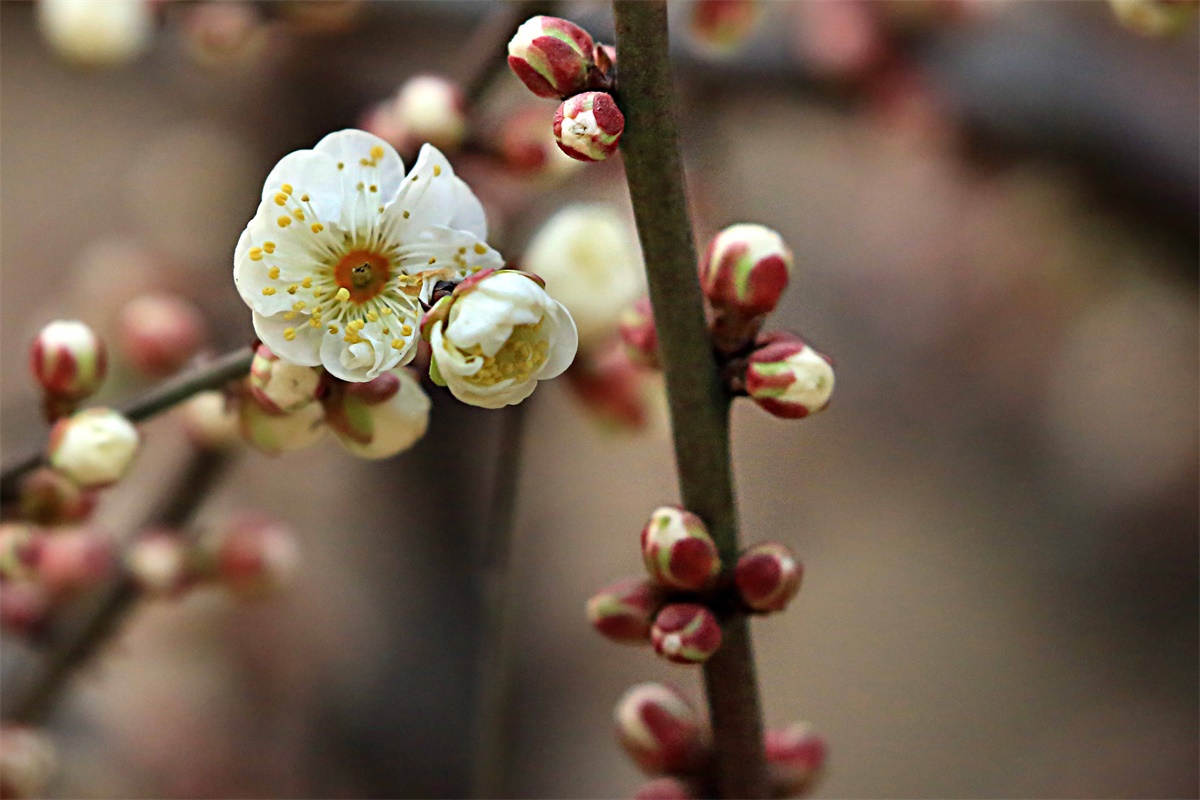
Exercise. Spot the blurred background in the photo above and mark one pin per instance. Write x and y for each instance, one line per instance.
(993, 208)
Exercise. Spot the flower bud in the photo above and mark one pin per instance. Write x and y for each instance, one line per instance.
(96, 34)
(24, 606)
(622, 611)
(281, 387)
(75, 560)
(160, 333)
(50, 498)
(253, 556)
(378, 418)
(27, 760)
(588, 126)
(20, 549)
(677, 550)
(721, 27)
(551, 56)
(217, 35)
(611, 388)
(795, 758)
(527, 146)
(273, 435)
(639, 333)
(430, 108)
(768, 576)
(1155, 17)
(209, 421)
(659, 729)
(667, 788)
(94, 447)
(685, 633)
(69, 360)
(745, 270)
(158, 561)
(788, 378)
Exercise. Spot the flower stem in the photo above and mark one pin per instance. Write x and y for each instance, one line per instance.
(699, 404)
(171, 392)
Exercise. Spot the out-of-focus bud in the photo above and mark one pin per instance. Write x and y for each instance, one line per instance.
(1155, 17)
(378, 418)
(253, 556)
(223, 34)
(659, 729)
(768, 576)
(27, 760)
(588, 126)
(788, 378)
(666, 788)
(281, 387)
(69, 360)
(677, 550)
(639, 333)
(96, 34)
(622, 611)
(795, 758)
(685, 633)
(23, 606)
(720, 27)
(551, 56)
(430, 108)
(76, 559)
(158, 561)
(50, 498)
(160, 333)
(528, 146)
(273, 435)
(20, 548)
(745, 270)
(94, 447)
(209, 421)
(610, 387)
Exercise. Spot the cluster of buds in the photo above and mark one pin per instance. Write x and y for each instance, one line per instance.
(555, 58)
(70, 363)
(666, 737)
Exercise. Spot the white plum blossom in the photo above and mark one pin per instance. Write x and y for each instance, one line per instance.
(497, 336)
(96, 32)
(345, 246)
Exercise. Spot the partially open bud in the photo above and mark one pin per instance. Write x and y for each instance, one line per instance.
(1155, 17)
(622, 611)
(50, 498)
(378, 418)
(745, 270)
(685, 633)
(94, 447)
(253, 556)
(27, 760)
(96, 34)
(158, 560)
(281, 387)
(677, 550)
(659, 729)
(588, 126)
(788, 378)
(20, 548)
(160, 333)
(430, 108)
(69, 360)
(721, 27)
(75, 560)
(667, 788)
(209, 421)
(551, 56)
(273, 435)
(768, 576)
(795, 758)
(639, 333)
(24, 606)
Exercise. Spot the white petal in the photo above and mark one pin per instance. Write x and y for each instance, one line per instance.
(434, 195)
(304, 349)
(352, 149)
(488, 321)
(310, 173)
(564, 341)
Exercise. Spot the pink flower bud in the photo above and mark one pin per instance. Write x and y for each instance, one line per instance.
(27, 760)
(75, 560)
(217, 35)
(20, 550)
(69, 360)
(677, 550)
(551, 56)
(50, 498)
(527, 146)
(795, 758)
(209, 421)
(768, 576)
(659, 729)
(639, 334)
(745, 270)
(160, 333)
(667, 788)
(622, 610)
(378, 418)
(788, 378)
(430, 108)
(253, 556)
(588, 126)
(94, 447)
(158, 560)
(281, 387)
(274, 435)
(720, 27)
(24, 606)
(685, 633)
(611, 388)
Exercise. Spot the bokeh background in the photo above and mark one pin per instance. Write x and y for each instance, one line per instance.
(994, 212)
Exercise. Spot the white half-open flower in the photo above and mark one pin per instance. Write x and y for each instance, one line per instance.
(496, 337)
(345, 245)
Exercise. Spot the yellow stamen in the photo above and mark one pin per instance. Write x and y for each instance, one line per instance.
(287, 188)
(284, 221)
(269, 247)
(317, 227)
(343, 294)
(281, 199)
(289, 333)
(269, 290)
(273, 273)
(256, 254)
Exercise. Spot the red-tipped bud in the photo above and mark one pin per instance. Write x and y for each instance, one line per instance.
(69, 360)
(253, 556)
(720, 27)
(20, 550)
(210, 421)
(160, 333)
(622, 611)
(50, 498)
(159, 561)
(378, 418)
(75, 560)
(795, 758)
(94, 447)
(27, 760)
(768, 576)
(281, 387)
(588, 126)
(677, 550)
(639, 333)
(610, 387)
(667, 788)
(551, 56)
(788, 378)
(659, 729)
(745, 270)
(24, 606)
(685, 633)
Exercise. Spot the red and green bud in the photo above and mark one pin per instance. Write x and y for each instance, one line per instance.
(377, 418)
(281, 387)
(160, 333)
(252, 556)
(611, 388)
(768, 576)
(27, 760)
(20, 550)
(788, 378)
(75, 560)
(69, 360)
(94, 447)
(720, 27)
(667, 788)
(660, 730)
(159, 560)
(685, 633)
(50, 498)
(795, 758)
(588, 126)
(551, 56)
(745, 270)
(677, 550)
(623, 610)
(274, 435)
(639, 334)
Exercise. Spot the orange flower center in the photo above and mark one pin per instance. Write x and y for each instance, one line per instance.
(363, 273)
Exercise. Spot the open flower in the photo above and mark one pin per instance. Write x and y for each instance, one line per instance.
(344, 247)
(496, 336)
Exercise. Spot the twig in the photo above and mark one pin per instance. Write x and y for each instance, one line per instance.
(698, 403)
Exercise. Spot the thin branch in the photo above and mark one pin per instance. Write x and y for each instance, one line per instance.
(698, 403)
